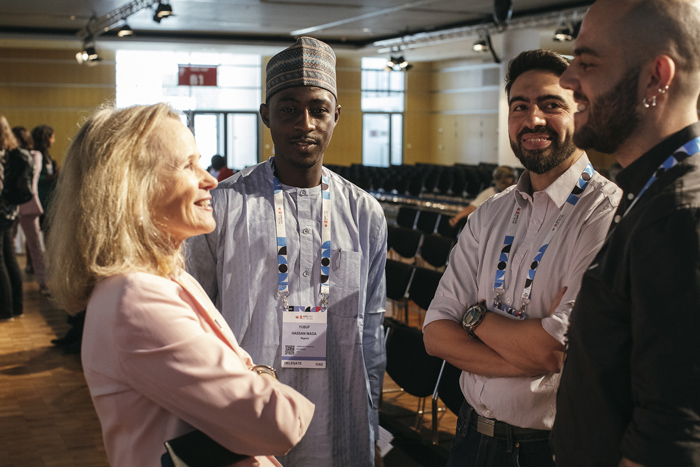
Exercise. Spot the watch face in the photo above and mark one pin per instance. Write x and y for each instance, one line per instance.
(473, 316)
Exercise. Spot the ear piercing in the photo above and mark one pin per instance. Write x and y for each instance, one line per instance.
(647, 104)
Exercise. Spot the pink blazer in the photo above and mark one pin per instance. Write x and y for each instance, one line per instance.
(157, 368)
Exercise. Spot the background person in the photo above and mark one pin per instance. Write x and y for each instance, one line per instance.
(30, 211)
(158, 358)
(11, 300)
(43, 138)
(503, 177)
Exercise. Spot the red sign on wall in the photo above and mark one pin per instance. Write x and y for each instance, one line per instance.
(196, 75)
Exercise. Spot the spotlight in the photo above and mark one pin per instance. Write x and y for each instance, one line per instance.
(125, 31)
(89, 54)
(162, 11)
(397, 64)
(480, 46)
(567, 32)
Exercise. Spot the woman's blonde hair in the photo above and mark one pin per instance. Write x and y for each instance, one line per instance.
(100, 222)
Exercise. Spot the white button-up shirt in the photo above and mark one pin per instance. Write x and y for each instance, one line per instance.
(527, 402)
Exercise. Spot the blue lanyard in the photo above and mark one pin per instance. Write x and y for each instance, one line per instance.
(499, 282)
(283, 271)
(678, 156)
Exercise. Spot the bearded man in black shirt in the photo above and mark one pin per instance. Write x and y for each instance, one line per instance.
(629, 392)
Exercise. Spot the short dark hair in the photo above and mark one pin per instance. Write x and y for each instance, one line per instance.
(540, 60)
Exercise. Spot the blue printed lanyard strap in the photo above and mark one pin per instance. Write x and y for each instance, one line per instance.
(283, 270)
(499, 282)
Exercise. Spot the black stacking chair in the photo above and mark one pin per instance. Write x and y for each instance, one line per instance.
(398, 279)
(449, 391)
(405, 242)
(435, 250)
(423, 287)
(406, 217)
(409, 365)
(427, 221)
(445, 229)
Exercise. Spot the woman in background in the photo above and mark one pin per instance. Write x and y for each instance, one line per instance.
(10, 275)
(158, 357)
(43, 138)
(30, 211)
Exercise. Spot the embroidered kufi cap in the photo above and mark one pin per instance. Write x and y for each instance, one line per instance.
(309, 62)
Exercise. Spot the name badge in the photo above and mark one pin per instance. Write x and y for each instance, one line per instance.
(304, 337)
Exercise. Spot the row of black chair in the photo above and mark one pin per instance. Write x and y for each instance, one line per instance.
(405, 282)
(427, 221)
(412, 244)
(459, 180)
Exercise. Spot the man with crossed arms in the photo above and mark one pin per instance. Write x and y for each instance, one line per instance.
(502, 308)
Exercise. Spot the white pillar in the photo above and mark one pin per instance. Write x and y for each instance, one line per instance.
(511, 44)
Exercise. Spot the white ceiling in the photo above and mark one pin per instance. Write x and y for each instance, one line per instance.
(345, 24)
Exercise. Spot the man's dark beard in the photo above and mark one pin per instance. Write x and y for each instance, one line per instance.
(540, 161)
(612, 117)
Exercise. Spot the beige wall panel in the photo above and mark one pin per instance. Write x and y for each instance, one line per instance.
(12, 96)
(63, 73)
(418, 135)
(466, 101)
(346, 145)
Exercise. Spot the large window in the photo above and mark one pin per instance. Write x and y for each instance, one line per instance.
(223, 118)
(382, 106)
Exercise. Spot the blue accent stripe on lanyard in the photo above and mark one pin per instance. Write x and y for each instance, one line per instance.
(678, 156)
(499, 282)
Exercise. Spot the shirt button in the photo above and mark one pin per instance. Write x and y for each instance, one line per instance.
(305, 273)
(536, 222)
(302, 192)
(488, 413)
(508, 300)
(306, 231)
(517, 257)
(630, 196)
(617, 218)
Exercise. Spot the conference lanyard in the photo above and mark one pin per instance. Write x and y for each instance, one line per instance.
(678, 156)
(284, 271)
(499, 282)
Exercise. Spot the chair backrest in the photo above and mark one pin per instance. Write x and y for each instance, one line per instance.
(423, 286)
(406, 217)
(407, 362)
(444, 227)
(398, 279)
(406, 242)
(435, 249)
(449, 389)
(427, 221)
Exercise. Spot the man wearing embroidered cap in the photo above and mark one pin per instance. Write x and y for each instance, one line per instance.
(630, 384)
(296, 264)
(502, 307)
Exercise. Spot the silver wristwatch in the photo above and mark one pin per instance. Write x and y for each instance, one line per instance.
(473, 317)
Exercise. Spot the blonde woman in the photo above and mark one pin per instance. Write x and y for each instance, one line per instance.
(158, 358)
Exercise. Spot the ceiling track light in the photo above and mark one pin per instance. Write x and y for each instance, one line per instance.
(89, 54)
(164, 10)
(567, 32)
(397, 64)
(125, 31)
(480, 46)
